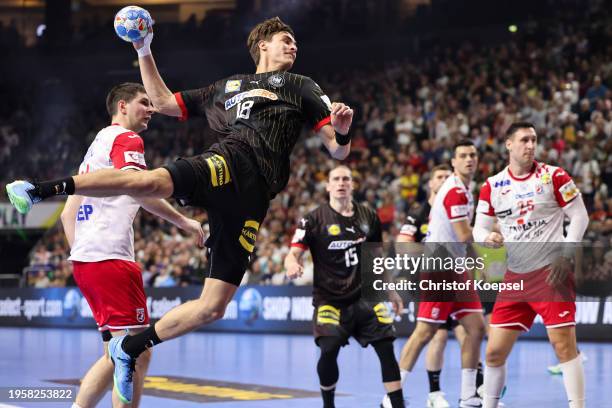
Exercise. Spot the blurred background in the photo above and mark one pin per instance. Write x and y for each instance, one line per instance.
(420, 75)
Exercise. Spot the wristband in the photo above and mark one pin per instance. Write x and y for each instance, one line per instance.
(343, 140)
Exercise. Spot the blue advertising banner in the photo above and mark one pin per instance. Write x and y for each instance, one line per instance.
(254, 309)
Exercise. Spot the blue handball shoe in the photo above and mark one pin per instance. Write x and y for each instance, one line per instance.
(124, 369)
(20, 194)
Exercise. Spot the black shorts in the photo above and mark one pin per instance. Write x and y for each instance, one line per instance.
(449, 324)
(209, 181)
(367, 322)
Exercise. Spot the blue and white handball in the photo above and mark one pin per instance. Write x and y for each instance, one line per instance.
(132, 23)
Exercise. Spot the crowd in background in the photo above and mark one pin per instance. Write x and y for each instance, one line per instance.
(409, 113)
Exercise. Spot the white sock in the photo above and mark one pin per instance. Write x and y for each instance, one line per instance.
(403, 376)
(75, 405)
(494, 381)
(573, 379)
(386, 402)
(468, 383)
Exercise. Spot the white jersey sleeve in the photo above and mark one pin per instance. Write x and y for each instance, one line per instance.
(103, 228)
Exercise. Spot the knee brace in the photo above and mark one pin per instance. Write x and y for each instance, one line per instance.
(388, 363)
(327, 367)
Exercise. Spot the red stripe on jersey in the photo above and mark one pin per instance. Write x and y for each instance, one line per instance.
(564, 187)
(485, 198)
(298, 245)
(523, 178)
(455, 204)
(322, 123)
(181, 104)
(128, 150)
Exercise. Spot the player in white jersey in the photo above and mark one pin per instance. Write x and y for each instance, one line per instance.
(530, 201)
(100, 233)
(450, 219)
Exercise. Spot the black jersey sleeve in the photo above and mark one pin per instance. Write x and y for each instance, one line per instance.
(303, 233)
(193, 102)
(315, 104)
(375, 229)
(411, 225)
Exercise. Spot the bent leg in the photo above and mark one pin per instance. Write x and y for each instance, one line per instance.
(422, 334)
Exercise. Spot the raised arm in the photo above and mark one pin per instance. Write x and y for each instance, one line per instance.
(163, 99)
(335, 137)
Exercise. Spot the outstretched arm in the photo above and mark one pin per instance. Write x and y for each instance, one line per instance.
(164, 210)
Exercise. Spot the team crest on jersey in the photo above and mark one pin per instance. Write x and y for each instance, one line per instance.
(539, 189)
(333, 230)
(435, 312)
(140, 315)
(233, 85)
(276, 81)
(568, 191)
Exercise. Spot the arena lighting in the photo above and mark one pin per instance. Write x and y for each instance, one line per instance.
(512, 28)
(40, 30)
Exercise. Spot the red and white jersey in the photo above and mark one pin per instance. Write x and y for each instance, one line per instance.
(103, 228)
(453, 203)
(529, 209)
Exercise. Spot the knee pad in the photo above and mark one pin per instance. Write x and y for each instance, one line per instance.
(388, 363)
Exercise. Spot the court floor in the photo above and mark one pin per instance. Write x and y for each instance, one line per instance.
(244, 370)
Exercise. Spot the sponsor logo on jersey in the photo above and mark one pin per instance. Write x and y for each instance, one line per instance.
(458, 210)
(262, 93)
(219, 172)
(233, 85)
(383, 315)
(350, 229)
(501, 183)
(84, 212)
(545, 179)
(333, 229)
(522, 226)
(134, 157)
(424, 228)
(505, 213)
(506, 192)
(248, 235)
(568, 191)
(276, 81)
(341, 245)
(524, 195)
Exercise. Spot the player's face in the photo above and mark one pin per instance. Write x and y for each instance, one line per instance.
(465, 161)
(340, 184)
(281, 50)
(522, 145)
(437, 179)
(139, 111)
